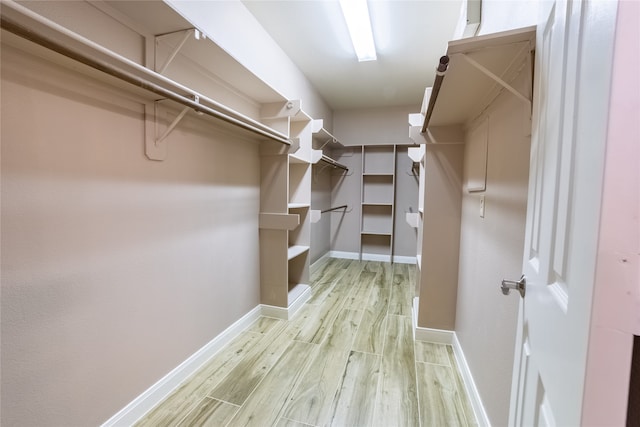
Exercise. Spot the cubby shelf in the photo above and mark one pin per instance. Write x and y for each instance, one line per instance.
(295, 251)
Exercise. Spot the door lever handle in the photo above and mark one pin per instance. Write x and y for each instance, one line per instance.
(519, 286)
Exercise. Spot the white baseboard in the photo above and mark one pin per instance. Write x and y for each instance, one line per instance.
(470, 385)
(414, 315)
(373, 257)
(440, 336)
(287, 313)
(376, 257)
(344, 255)
(405, 259)
(159, 391)
(275, 312)
(449, 337)
(320, 260)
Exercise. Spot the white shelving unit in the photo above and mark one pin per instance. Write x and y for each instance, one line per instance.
(286, 196)
(377, 200)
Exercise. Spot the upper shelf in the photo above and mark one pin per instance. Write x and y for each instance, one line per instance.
(479, 68)
(165, 23)
(123, 72)
(466, 90)
(322, 138)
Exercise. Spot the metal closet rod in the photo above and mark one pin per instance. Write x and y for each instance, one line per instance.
(333, 163)
(32, 35)
(440, 72)
(334, 209)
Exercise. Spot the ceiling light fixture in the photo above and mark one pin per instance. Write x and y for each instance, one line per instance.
(356, 13)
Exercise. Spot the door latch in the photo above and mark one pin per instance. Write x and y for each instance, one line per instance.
(520, 286)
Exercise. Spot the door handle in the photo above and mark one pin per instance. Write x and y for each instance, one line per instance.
(519, 286)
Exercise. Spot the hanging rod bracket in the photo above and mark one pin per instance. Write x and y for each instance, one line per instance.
(279, 110)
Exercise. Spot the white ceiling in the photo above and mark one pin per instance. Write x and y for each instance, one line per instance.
(410, 37)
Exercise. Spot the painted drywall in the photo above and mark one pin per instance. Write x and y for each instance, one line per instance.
(115, 268)
(504, 15)
(617, 288)
(321, 199)
(373, 126)
(440, 236)
(404, 236)
(491, 249)
(231, 26)
(346, 190)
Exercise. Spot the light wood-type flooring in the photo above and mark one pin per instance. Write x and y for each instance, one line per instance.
(347, 358)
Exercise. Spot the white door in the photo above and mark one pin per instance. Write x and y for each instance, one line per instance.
(572, 78)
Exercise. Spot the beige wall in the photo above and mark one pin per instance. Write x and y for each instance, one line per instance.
(440, 236)
(491, 249)
(404, 236)
(320, 199)
(373, 126)
(115, 268)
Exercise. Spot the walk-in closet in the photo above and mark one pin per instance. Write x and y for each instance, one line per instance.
(225, 213)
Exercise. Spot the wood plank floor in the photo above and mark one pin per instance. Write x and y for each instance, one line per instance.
(348, 358)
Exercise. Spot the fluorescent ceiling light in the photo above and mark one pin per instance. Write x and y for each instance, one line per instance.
(356, 13)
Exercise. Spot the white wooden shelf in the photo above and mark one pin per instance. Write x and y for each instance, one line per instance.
(466, 90)
(376, 233)
(322, 137)
(298, 205)
(479, 69)
(295, 251)
(293, 158)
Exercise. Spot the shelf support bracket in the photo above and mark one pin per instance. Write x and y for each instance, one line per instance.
(497, 79)
(187, 33)
(156, 147)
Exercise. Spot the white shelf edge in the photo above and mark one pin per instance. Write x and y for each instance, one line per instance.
(298, 205)
(294, 158)
(314, 215)
(413, 219)
(375, 233)
(295, 251)
(416, 153)
(376, 204)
